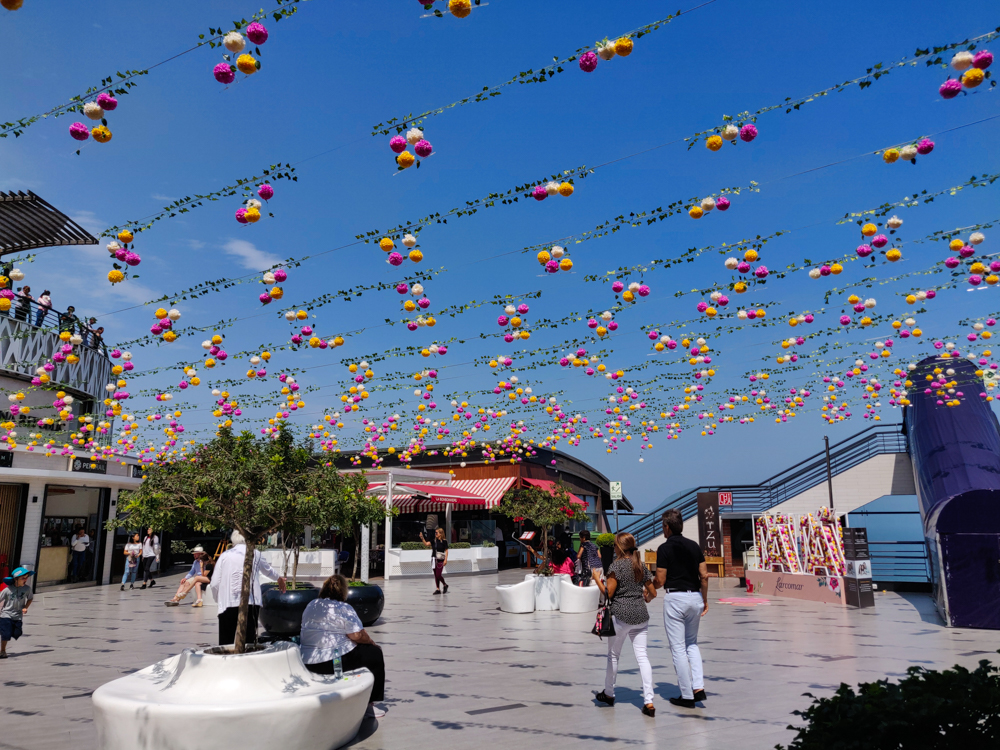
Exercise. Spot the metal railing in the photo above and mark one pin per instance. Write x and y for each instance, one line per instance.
(55, 321)
(757, 498)
(900, 561)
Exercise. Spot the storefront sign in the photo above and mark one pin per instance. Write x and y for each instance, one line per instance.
(858, 581)
(615, 490)
(87, 466)
(709, 528)
(726, 498)
(137, 471)
(6, 459)
(827, 589)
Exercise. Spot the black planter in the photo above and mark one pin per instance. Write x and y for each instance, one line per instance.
(281, 614)
(607, 557)
(367, 601)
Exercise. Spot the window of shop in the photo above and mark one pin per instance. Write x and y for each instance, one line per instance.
(12, 501)
(67, 510)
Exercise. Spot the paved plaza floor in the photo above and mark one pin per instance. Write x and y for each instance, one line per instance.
(462, 674)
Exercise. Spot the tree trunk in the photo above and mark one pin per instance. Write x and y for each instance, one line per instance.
(357, 552)
(295, 565)
(239, 645)
(545, 548)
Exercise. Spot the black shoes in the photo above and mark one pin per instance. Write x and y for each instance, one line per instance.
(699, 696)
(152, 583)
(683, 702)
(142, 587)
(603, 698)
(649, 710)
(437, 592)
(446, 588)
(130, 586)
(123, 587)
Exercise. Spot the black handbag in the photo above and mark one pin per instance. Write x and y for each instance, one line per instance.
(604, 625)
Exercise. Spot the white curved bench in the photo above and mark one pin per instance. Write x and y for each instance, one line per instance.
(578, 598)
(262, 699)
(517, 598)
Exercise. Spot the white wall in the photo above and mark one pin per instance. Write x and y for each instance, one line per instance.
(83, 502)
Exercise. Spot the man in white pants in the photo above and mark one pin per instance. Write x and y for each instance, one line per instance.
(682, 574)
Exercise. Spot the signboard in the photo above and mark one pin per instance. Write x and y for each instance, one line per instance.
(616, 490)
(137, 471)
(527, 536)
(726, 498)
(87, 466)
(858, 579)
(6, 459)
(709, 528)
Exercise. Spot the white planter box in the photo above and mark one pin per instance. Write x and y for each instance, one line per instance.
(400, 562)
(319, 563)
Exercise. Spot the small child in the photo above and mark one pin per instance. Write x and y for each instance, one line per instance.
(14, 603)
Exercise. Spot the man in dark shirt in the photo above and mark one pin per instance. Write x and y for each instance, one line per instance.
(682, 574)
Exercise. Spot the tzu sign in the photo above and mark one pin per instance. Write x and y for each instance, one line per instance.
(709, 527)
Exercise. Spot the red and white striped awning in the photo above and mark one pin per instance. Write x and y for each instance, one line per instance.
(491, 490)
(462, 494)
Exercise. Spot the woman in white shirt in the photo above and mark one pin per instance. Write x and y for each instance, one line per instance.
(133, 551)
(330, 624)
(150, 555)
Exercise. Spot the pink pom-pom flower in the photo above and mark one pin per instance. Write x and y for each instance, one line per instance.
(743, 267)
(952, 262)
(880, 240)
(503, 320)
(241, 216)
(395, 259)
(748, 132)
(761, 272)
(552, 266)
(983, 59)
(398, 144)
(107, 102)
(864, 250)
(967, 251)
(588, 62)
(975, 279)
(280, 275)
(722, 203)
(265, 298)
(539, 193)
(132, 259)
(643, 291)
(265, 191)
(702, 306)
(950, 88)
(402, 288)
(617, 286)
(845, 320)
(423, 148)
(256, 33)
(223, 73)
(79, 131)
(925, 146)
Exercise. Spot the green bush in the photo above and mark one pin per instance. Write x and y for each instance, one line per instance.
(177, 547)
(460, 545)
(411, 546)
(488, 543)
(928, 709)
(605, 540)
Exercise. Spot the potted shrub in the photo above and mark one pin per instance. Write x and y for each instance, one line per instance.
(544, 508)
(606, 546)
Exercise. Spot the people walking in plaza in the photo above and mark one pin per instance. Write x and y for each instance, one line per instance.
(150, 556)
(133, 553)
(628, 588)
(227, 583)
(332, 630)
(199, 575)
(44, 303)
(682, 574)
(79, 544)
(439, 557)
(588, 561)
(14, 603)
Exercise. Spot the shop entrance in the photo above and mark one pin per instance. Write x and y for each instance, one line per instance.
(67, 510)
(13, 504)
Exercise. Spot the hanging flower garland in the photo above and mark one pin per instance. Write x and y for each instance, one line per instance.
(512, 320)
(121, 252)
(245, 63)
(555, 259)
(909, 152)
(250, 213)
(95, 110)
(273, 279)
(605, 50)
(709, 204)
(973, 69)
(746, 132)
(421, 147)
(164, 324)
(388, 245)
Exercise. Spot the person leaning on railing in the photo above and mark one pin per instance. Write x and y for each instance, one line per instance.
(44, 304)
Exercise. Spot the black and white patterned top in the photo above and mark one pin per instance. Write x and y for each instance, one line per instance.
(628, 604)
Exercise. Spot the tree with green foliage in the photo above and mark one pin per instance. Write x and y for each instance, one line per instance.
(927, 710)
(353, 509)
(544, 508)
(255, 485)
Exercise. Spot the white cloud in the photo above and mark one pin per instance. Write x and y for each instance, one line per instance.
(158, 197)
(89, 221)
(249, 256)
(195, 244)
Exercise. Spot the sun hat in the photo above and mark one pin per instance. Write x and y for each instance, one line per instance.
(197, 548)
(17, 573)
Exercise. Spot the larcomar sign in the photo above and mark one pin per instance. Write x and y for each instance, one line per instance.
(88, 466)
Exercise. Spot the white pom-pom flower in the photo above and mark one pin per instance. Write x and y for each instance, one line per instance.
(634, 286)
(908, 153)
(409, 240)
(707, 204)
(17, 274)
(742, 315)
(730, 132)
(607, 51)
(606, 316)
(869, 303)
(715, 296)
(93, 110)
(921, 296)
(731, 263)
(558, 252)
(289, 315)
(234, 42)
(268, 278)
(976, 238)
(76, 339)
(254, 203)
(510, 309)
(414, 136)
(174, 314)
(206, 345)
(962, 60)
(552, 188)
(814, 273)
(416, 290)
(894, 222)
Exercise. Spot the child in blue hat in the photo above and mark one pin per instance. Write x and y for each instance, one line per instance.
(14, 603)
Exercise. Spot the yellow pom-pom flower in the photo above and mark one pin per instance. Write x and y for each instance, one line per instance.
(277, 292)
(409, 305)
(252, 215)
(416, 256)
(956, 245)
(386, 244)
(4, 304)
(761, 312)
(991, 280)
(836, 268)
(890, 155)
(750, 256)
(695, 212)
(739, 287)
(893, 255)
(115, 276)
(405, 160)
(565, 264)
(911, 299)
(460, 8)
(623, 46)
(868, 230)
(160, 313)
(544, 257)
(301, 315)
(972, 78)
(713, 142)
(125, 236)
(566, 189)
(246, 64)
(628, 295)
(169, 336)
(101, 133)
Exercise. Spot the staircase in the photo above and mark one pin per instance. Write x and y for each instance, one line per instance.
(756, 498)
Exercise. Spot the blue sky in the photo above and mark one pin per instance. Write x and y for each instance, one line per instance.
(337, 68)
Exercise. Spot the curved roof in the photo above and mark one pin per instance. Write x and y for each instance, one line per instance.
(27, 222)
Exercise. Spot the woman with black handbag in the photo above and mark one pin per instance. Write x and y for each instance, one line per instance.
(628, 588)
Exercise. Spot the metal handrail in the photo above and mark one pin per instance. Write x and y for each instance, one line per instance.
(804, 475)
(913, 564)
(52, 320)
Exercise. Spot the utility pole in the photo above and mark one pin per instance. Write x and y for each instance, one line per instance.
(829, 471)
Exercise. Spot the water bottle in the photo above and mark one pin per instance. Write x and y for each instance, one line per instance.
(338, 669)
